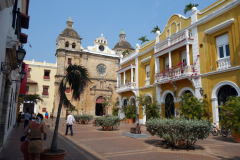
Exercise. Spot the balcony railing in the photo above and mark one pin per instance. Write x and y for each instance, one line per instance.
(45, 94)
(30, 92)
(174, 74)
(46, 77)
(175, 38)
(127, 86)
(129, 56)
(224, 63)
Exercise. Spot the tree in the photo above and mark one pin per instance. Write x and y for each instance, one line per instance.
(107, 103)
(155, 29)
(31, 98)
(189, 7)
(194, 108)
(150, 106)
(77, 77)
(143, 39)
(125, 52)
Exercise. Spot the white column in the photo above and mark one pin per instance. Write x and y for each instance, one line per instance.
(124, 76)
(157, 68)
(188, 56)
(215, 110)
(131, 75)
(117, 80)
(158, 96)
(120, 79)
(170, 60)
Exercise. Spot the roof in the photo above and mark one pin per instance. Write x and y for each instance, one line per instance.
(122, 32)
(70, 19)
(123, 44)
(31, 82)
(69, 32)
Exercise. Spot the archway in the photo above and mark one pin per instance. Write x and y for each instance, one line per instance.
(169, 106)
(224, 92)
(99, 111)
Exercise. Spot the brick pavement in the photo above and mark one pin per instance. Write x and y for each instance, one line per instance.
(11, 149)
(90, 142)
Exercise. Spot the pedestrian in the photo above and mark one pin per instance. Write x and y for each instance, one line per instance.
(26, 118)
(46, 116)
(70, 120)
(35, 145)
(24, 147)
(19, 118)
(51, 116)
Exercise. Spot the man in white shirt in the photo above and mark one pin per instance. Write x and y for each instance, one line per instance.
(26, 118)
(70, 120)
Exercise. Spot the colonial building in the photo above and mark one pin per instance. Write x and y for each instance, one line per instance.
(40, 80)
(13, 17)
(101, 62)
(198, 55)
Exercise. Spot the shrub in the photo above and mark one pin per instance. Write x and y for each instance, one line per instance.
(173, 130)
(130, 111)
(230, 113)
(194, 108)
(108, 121)
(115, 111)
(86, 118)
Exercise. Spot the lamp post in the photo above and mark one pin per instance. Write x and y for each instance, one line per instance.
(201, 92)
(21, 75)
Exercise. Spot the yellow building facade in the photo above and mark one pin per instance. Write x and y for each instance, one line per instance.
(198, 53)
(40, 80)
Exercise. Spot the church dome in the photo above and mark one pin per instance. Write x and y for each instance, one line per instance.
(69, 32)
(123, 44)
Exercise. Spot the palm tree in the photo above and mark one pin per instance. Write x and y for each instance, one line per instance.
(189, 7)
(77, 77)
(31, 98)
(125, 52)
(143, 39)
(155, 29)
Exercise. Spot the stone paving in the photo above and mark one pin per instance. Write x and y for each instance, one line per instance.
(89, 142)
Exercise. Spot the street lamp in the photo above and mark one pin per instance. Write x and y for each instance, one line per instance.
(201, 92)
(21, 75)
(20, 55)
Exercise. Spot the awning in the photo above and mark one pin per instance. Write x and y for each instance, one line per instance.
(24, 21)
(31, 82)
(23, 38)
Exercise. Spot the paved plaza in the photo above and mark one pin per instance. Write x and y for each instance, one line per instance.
(89, 142)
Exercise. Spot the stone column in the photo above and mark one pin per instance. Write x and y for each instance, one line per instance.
(188, 56)
(124, 77)
(170, 60)
(131, 75)
(157, 68)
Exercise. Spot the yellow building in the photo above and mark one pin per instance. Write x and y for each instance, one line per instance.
(198, 53)
(40, 80)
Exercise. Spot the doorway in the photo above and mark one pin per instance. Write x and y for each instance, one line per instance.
(99, 111)
(169, 106)
(224, 92)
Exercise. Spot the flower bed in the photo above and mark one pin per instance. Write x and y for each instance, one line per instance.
(108, 121)
(83, 118)
(179, 133)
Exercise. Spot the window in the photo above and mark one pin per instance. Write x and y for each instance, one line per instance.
(184, 58)
(27, 90)
(101, 69)
(223, 46)
(46, 74)
(43, 109)
(167, 62)
(67, 45)
(69, 61)
(147, 71)
(28, 74)
(125, 103)
(73, 46)
(45, 91)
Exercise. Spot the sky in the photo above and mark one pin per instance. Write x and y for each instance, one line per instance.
(95, 17)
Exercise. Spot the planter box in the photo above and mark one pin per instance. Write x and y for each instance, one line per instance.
(107, 128)
(236, 137)
(130, 120)
(82, 122)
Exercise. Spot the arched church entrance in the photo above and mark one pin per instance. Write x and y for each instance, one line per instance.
(169, 106)
(224, 92)
(99, 111)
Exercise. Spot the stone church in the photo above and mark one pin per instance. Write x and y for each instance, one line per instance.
(101, 62)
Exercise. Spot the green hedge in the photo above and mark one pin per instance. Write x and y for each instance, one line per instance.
(108, 121)
(86, 118)
(173, 130)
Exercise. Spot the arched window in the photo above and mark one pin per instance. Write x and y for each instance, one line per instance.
(67, 45)
(73, 46)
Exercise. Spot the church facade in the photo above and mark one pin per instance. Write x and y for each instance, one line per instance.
(101, 62)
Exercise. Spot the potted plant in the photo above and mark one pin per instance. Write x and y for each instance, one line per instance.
(77, 77)
(108, 122)
(131, 110)
(230, 118)
(83, 118)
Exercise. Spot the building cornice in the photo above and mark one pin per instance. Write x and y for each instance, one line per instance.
(221, 71)
(220, 26)
(35, 65)
(102, 54)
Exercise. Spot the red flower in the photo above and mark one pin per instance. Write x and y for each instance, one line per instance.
(195, 73)
(170, 81)
(197, 55)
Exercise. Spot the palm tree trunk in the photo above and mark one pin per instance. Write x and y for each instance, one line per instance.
(55, 134)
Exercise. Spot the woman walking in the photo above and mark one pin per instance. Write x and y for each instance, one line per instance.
(35, 146)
